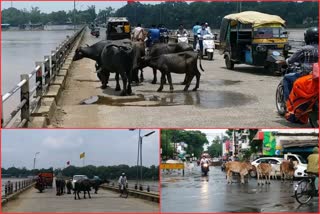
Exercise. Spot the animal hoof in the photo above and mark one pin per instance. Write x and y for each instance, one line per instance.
(103, 86)
(159, 90)
(141, 79)
(195, 89)
(154, 82)
(183, 83)
(117, 89)
(123, 94)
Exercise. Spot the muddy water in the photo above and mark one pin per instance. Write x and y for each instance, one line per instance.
(202, 99)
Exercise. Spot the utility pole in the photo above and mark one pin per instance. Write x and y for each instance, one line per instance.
(74, 15)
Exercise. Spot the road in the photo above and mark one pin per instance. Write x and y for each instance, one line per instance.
(196, 193)
(105, 201)
(244, 97)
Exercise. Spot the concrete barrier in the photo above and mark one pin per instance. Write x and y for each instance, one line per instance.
(15, 195)
(136, 193)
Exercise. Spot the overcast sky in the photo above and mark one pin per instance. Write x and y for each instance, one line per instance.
(56, 147)
(68, 5)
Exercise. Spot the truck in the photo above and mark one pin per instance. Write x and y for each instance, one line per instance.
(47, 177)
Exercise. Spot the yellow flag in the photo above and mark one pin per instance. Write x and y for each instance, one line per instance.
(82, 155)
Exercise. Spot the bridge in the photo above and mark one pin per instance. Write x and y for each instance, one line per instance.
(107, 200)
(72, 97)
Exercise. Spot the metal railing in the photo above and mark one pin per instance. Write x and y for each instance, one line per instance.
(140, 187)
(10, 188)
(44, 72)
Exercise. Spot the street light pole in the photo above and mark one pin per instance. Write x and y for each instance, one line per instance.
(34, 160)
(74, 15)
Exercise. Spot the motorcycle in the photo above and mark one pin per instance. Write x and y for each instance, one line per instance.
(164, 37)
(183, 38)
(280, 101)
(208, 46)
(39, 186)
(205, 169)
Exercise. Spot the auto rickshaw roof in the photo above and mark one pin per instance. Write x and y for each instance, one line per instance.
(254, 18)
(118, 19)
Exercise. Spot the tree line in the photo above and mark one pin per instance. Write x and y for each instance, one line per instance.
(108, 172)
(171, 14)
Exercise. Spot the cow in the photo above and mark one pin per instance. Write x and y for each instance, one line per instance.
(287, 169)
(264, 169)
(182, 62)
(159, 49)
(242, 168)
(118, 59)
(95, 184)
(60, 186)
(82, 185)
(94, 52)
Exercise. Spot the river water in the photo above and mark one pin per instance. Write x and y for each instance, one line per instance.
(21, 49)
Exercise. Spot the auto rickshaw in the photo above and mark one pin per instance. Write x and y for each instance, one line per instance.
(254, 38)
(118, 28)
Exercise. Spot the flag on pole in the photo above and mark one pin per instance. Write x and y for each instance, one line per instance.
(68, 163)
(82, 155)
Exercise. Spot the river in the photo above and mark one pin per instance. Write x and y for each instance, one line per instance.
(20, 50)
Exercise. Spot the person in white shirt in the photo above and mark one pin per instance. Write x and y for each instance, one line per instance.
(201, 33)
(122, 181)
(138, 34)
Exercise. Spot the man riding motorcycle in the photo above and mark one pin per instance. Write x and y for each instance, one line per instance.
(204, 160)
(181, 31)
(306, 56)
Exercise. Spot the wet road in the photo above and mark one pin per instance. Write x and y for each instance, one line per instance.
(244, 97)
(196, 193)
(105, 201)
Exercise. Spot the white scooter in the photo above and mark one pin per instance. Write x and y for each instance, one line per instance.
(183, 38)
(208, 46)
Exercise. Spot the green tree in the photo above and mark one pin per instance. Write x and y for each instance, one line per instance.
(215, 149)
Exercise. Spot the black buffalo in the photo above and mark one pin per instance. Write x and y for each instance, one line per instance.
(181, 63)
(60, 186)
(84, 186)
(159, 49)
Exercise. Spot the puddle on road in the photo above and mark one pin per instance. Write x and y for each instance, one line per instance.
(203, 99)
(221, 82)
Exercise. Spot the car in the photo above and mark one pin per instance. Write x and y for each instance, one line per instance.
(77, 178)
(274, 161)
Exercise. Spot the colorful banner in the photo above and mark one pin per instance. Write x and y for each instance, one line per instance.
(269, 144)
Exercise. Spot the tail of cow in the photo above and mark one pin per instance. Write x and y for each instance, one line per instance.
(199, 56)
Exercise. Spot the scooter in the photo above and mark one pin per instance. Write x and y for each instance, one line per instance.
(205, 169)
(183, 38)
(281, 103)
(208, 46)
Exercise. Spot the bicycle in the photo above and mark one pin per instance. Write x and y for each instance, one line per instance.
(305, 190)
(123, 191)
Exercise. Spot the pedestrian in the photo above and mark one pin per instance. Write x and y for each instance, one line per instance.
(195, 29)
(122, 182)
(313, 164)
(138, 34)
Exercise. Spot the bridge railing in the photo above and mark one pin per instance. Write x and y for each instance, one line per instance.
(10, 188)
(44, 72)
(139, 187)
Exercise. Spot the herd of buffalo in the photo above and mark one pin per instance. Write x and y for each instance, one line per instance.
(125, 58)
(84, 185)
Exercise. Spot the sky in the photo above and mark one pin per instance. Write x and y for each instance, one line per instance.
(56, 147)
(48, 7)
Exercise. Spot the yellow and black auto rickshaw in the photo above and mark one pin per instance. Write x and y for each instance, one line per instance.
(254, 38)
(118, 28)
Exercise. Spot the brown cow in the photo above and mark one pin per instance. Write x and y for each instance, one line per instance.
(242, 168)
(287, 169)
(264, 169)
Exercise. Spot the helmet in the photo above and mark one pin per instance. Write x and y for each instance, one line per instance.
(123, 173)
(311, 36)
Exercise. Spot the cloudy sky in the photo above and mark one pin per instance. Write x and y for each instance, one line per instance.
(56, 147)
(67, 5)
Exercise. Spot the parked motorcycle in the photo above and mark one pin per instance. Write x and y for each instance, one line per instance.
(39, 186)
(208, 46)
(280, 101)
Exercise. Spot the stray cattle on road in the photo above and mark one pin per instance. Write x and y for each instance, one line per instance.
(180, 63)
(287, 169)
(82, 185)
(264, 170)
(242, 168)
